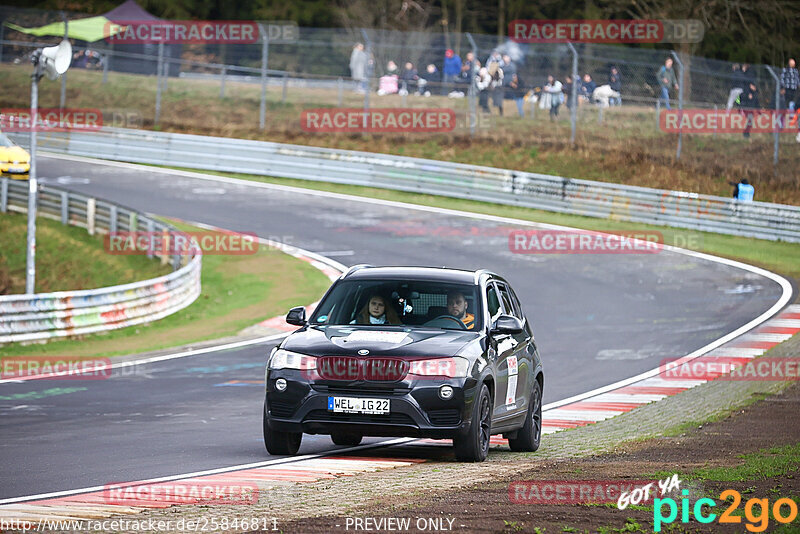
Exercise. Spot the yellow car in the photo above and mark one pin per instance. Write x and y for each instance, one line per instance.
(14, 160)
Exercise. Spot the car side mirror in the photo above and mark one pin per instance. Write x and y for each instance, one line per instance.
(506, 324)
(297, 316)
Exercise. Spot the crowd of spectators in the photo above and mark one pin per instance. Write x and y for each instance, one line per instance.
(495, 80)
(498, 79)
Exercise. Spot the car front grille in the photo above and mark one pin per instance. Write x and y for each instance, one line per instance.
(391, 418)
(360, 390)
(446, 417)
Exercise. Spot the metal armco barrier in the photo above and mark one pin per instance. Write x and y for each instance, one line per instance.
(68, 313)
(552, 193)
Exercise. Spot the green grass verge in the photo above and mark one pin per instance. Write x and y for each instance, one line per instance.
(772, 255)
(237, 291)
(766, 463)
(67, 258)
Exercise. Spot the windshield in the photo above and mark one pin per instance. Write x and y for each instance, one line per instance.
(5, 141)
(399, 303)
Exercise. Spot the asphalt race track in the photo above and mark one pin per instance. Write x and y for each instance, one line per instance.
(597, 319)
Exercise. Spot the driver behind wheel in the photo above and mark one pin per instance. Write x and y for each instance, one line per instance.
(457, 307)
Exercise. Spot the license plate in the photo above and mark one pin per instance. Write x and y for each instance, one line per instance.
(358, 405)
(16, 169)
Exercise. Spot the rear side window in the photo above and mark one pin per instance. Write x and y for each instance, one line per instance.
(493, 302)
(510, 302)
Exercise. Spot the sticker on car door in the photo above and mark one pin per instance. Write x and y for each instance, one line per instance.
(511, 390)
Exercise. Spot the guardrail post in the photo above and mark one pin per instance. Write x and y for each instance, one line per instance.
(158, 82)
(262, 110)
(64, 207)
(63, 100)
(112, 219)
(150, 232)
(91, 207)
(368, 74)
(777, 110)
(133, 221)
(3, 195)
(715, 122)
(176, 262)
(471, 104)
(573, 112)
(658, 113)
(165, 245)
(340, 87)
(285, 83)
(106, 61)
(222, 81)
(680, 104)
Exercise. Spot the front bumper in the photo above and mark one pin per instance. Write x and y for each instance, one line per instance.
(416, 410)
(15, 169)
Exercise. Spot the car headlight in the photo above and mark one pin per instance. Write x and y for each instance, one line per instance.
(284, 359)
(452, 367)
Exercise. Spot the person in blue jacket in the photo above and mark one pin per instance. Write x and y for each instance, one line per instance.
(451, 71)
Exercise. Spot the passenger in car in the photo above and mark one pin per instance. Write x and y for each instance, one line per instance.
(457, 307)
(376, 311)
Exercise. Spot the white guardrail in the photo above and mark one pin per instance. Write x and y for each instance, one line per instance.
(69, 313)
(552, 193)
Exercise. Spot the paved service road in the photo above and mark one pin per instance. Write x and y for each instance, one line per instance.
(597, 318)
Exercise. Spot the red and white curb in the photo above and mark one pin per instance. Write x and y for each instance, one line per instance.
(626, 398)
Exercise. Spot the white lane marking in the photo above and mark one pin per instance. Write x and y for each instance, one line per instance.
(770, 338)
(736, 352)
(277, 461)
(669, 383)
(582, 415)
(785, 323)
(337, 253)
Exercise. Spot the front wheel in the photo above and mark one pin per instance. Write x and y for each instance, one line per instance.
(474, 447)
(530, 435)
(280, 443)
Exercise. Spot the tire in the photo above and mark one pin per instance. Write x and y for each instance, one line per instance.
(474, 447)
(529, 437)
(348, 439)
(281, 443)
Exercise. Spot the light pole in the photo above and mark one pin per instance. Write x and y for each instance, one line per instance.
(52, 61)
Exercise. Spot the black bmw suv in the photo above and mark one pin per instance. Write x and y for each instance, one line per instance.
(408, 351)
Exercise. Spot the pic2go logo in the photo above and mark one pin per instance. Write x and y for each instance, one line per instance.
(757, 523)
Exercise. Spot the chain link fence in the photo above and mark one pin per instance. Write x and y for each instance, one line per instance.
(270, 84)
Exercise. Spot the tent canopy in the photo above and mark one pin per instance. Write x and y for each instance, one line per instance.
(128, 12)
(90, 29)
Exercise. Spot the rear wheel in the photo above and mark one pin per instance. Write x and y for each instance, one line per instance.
(345, 438)
(474, 447)
(282, 443)
(530, 435)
